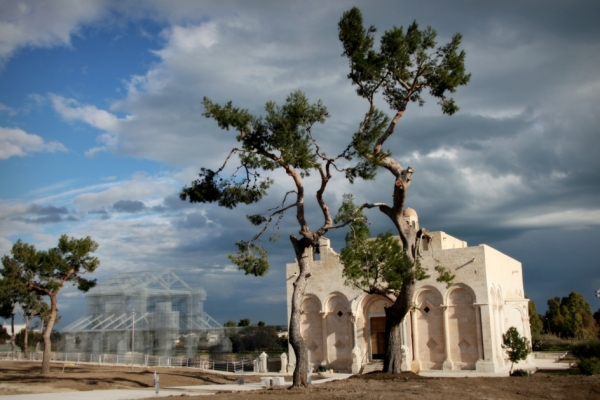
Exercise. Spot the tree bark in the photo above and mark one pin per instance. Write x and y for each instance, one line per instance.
(396, 313)
(302, 250)
(47, 333)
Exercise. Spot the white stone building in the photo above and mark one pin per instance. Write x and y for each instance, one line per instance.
(451, 328)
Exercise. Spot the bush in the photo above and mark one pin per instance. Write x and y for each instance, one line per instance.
(589, 366)
(520, 372)
(587, 350)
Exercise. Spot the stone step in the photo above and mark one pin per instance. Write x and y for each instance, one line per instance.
(372, 366)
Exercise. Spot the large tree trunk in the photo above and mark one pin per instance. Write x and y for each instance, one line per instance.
(47, 333)
(408, 237)
(300, 378)
(394, 316)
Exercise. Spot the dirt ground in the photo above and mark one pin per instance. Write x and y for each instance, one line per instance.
(17, 377)
(23, 377)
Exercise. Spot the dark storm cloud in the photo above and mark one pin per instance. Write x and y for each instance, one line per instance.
(173, 202)
(100, 211)
(45, 215)
(46, 219)
(46, 210)
(129, 206)
(191, 221)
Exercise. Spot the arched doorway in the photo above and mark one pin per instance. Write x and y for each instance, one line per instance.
(377, 325)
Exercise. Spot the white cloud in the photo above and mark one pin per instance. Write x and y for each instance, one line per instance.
(71, 110)
(94, 150)
(43, 23)
(5, 109)
(140, 187)
(17, 142)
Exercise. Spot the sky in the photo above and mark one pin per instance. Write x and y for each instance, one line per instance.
(101, 126)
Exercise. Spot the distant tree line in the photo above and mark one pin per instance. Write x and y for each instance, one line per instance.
(569, 318)
(250, 338)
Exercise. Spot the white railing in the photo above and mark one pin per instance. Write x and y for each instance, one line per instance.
(201, 362)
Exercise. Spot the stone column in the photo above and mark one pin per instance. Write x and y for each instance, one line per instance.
(354, 333)
(324, 344)
(498, 336)
(356, 361)
(415, 338)
(478, 328)
(448, 365)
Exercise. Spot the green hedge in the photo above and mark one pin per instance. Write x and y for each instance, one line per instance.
(587, 350)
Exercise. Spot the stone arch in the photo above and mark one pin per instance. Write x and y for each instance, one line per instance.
(373, 309)
(311, 326)
(515, 316)
(338, 339)
(334, 298)
(466, 288)
(428, 329)
(374, 305)
(462, 327)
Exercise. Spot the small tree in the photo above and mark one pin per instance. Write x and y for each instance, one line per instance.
(517, 347)
(45, 273)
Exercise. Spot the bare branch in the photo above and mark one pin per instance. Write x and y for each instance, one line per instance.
(269, 220)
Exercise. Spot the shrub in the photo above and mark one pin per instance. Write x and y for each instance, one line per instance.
(589, 366)
(587, 350)
(520, 372)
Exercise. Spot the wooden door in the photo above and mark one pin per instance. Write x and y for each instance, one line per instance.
(377, 338)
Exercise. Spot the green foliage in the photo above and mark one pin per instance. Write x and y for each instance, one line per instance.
(250, 258)
(375, 265)
(279, 139)
(261, 323)
(44, 272)
(4, 335)
(244, 322)
(250, 339)
(32, 338)
(520, 372)
(587, 350)
(230, 324)
(256, 219)
(535, 321)
(445, 276)
(407, 63)
(517, 347)
(571, 317)
(589, 366)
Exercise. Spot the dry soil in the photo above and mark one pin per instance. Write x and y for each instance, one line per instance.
(24, 377)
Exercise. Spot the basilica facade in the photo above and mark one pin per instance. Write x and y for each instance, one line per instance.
(450, 328)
